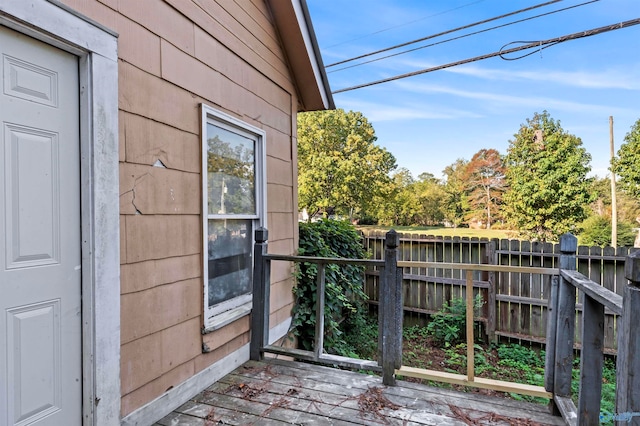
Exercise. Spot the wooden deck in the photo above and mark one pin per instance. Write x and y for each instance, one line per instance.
(277, 392)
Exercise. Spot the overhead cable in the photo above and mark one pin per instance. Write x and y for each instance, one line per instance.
(537, 44)
(442, 33)
(406, 23)
(462, 36)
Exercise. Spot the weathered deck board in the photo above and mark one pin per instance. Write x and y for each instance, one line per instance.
(277, 392)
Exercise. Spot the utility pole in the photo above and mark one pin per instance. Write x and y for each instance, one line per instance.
(614, 205)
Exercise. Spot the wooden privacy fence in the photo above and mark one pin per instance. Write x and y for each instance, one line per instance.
(516, 302)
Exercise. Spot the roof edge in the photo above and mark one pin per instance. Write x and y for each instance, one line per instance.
(316, 51)
(298, 38)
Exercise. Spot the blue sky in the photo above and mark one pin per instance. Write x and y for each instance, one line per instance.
(429, 121)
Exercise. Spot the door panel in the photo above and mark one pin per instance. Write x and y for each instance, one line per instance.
(34, 329)
(31, 168)
(40, 276)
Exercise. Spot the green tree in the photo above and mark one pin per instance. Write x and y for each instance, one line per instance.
(398, 205)
(627, 165)
(340, 168)
(485, 183)
(628, 206)
(431, 199)
(547, 179)
(456, 201)
(411, 202)
(596, 229)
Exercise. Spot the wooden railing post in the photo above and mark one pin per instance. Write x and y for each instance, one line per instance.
(261, 294)
(566, 320)
(390, 330)
(628, 362)
(591, 362)
(552, 326)
(318, 345)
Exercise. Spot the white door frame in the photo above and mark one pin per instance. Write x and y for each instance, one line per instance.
(96, 47)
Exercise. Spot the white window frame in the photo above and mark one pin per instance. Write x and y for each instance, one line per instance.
(226, 312)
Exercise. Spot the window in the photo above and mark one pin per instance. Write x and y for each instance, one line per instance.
(233, 170)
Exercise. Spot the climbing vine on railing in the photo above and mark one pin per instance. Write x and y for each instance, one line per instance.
(344, 295)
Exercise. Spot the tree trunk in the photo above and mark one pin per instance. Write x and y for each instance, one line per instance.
(488, 209)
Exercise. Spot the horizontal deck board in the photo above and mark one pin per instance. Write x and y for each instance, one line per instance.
(287, 392)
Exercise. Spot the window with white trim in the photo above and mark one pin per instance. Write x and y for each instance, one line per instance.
(234, 205)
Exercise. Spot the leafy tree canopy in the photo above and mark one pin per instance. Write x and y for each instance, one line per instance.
(547, 179)
(627, 165)
(398, 204)
(456, 202)
(628, 207)
(340, 168)
(411, 202)
(596, 230)
(431, 197)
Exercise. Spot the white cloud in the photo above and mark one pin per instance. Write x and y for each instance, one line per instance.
(381, 111)
(605, 79)
(506, 101)
(626, 78)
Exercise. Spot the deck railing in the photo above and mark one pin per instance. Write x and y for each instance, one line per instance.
(559, 341)
(260, 311)
(561, 334)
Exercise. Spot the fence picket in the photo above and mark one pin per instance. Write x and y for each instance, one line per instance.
(538, 315)
(525, 290)
(609, 282)
(503, 288)
(514, 288)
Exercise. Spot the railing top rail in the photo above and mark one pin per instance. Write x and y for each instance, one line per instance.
(480, 267)
(331, 260)
(602, 295)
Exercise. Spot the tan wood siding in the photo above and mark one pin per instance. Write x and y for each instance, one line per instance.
(173, 56)
(139, 276)
(148, 141)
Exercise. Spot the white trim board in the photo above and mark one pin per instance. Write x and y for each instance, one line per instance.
(178, 395)
(96, 49)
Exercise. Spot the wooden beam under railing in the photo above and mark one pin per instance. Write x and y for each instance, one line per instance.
(470, 379)
(479, 267)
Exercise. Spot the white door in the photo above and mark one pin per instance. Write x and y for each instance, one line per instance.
(40, 277)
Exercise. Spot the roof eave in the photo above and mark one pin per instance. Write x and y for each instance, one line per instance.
(299, 41)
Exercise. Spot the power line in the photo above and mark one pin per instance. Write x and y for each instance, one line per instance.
(405, 24)
(501, 52)
(462, 36)
(442, 33)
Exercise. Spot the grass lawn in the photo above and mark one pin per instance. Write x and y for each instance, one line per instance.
(445, 232)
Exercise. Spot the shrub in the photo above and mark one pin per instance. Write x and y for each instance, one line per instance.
(344, 295)
(521, 355)
(448, 325)
(596, 231)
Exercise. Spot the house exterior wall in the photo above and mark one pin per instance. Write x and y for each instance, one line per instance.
(173, 56)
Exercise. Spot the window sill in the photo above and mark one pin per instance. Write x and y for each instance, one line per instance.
(225, 318)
